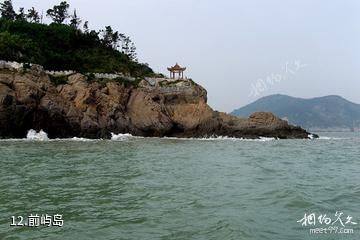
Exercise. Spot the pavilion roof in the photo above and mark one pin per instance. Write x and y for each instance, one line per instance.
(176, 67)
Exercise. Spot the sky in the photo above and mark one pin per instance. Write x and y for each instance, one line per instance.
(240, 50)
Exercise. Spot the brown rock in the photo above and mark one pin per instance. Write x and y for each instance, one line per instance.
(92, 109)
(266, 119)
(146, 115)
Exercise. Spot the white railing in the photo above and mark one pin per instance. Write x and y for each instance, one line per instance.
(151, 81)
(10, 65)
(16, 65)
(60, 73)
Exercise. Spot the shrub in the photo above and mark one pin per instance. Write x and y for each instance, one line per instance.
(58, 80)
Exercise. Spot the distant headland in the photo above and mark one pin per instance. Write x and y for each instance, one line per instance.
(321, 113)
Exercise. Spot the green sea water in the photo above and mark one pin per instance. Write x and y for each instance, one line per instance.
(152, 188)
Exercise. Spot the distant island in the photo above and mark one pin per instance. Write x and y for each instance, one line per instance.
(329, 112)
(75, 82)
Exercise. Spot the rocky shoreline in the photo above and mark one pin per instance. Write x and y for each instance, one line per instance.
(80, 107)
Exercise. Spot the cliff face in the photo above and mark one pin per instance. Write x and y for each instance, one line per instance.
(94, 109)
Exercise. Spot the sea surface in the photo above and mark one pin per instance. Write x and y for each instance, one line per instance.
(164, 188)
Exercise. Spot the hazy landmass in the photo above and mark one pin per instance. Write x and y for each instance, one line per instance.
(322, 112)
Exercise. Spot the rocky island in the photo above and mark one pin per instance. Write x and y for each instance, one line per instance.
(94, 108)
(107, 90)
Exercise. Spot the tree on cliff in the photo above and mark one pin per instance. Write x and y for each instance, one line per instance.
(75, 20)
(33, 15)
(86, 27)
(118, 40)
(21, 16)
(64, 46)
(109, 37)
(128, 48)
(59, 13)
(7, 10)
(15, 47)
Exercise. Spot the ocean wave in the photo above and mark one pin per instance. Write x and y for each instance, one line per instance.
(127, 136)
(331, 138)
(311, 136)
(33, 135)
(37, 136)
(77, 139)
(121, 136)
(221, 138)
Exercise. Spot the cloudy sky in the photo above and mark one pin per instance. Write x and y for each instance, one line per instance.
(240, 50)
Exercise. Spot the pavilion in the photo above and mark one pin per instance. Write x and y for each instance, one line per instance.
(177, 70)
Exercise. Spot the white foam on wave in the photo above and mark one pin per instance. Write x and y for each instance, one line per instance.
(331, 138)
(265, 139)
(77, 139)
(311, 136)
(127, 136)
(33, 135)
(120, 136)
(37, 136)
(221, 138)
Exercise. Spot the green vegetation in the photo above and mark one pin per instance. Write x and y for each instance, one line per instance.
(166, 83)
(122, 80)
(58, 80)
(61, 46)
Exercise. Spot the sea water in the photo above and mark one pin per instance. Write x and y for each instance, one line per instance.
(166, 188)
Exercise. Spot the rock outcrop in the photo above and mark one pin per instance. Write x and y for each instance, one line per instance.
(93, 109)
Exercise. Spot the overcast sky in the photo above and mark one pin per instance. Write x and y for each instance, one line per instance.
(240, 50)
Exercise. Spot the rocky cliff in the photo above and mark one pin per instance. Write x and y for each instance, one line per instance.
(94, 108)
